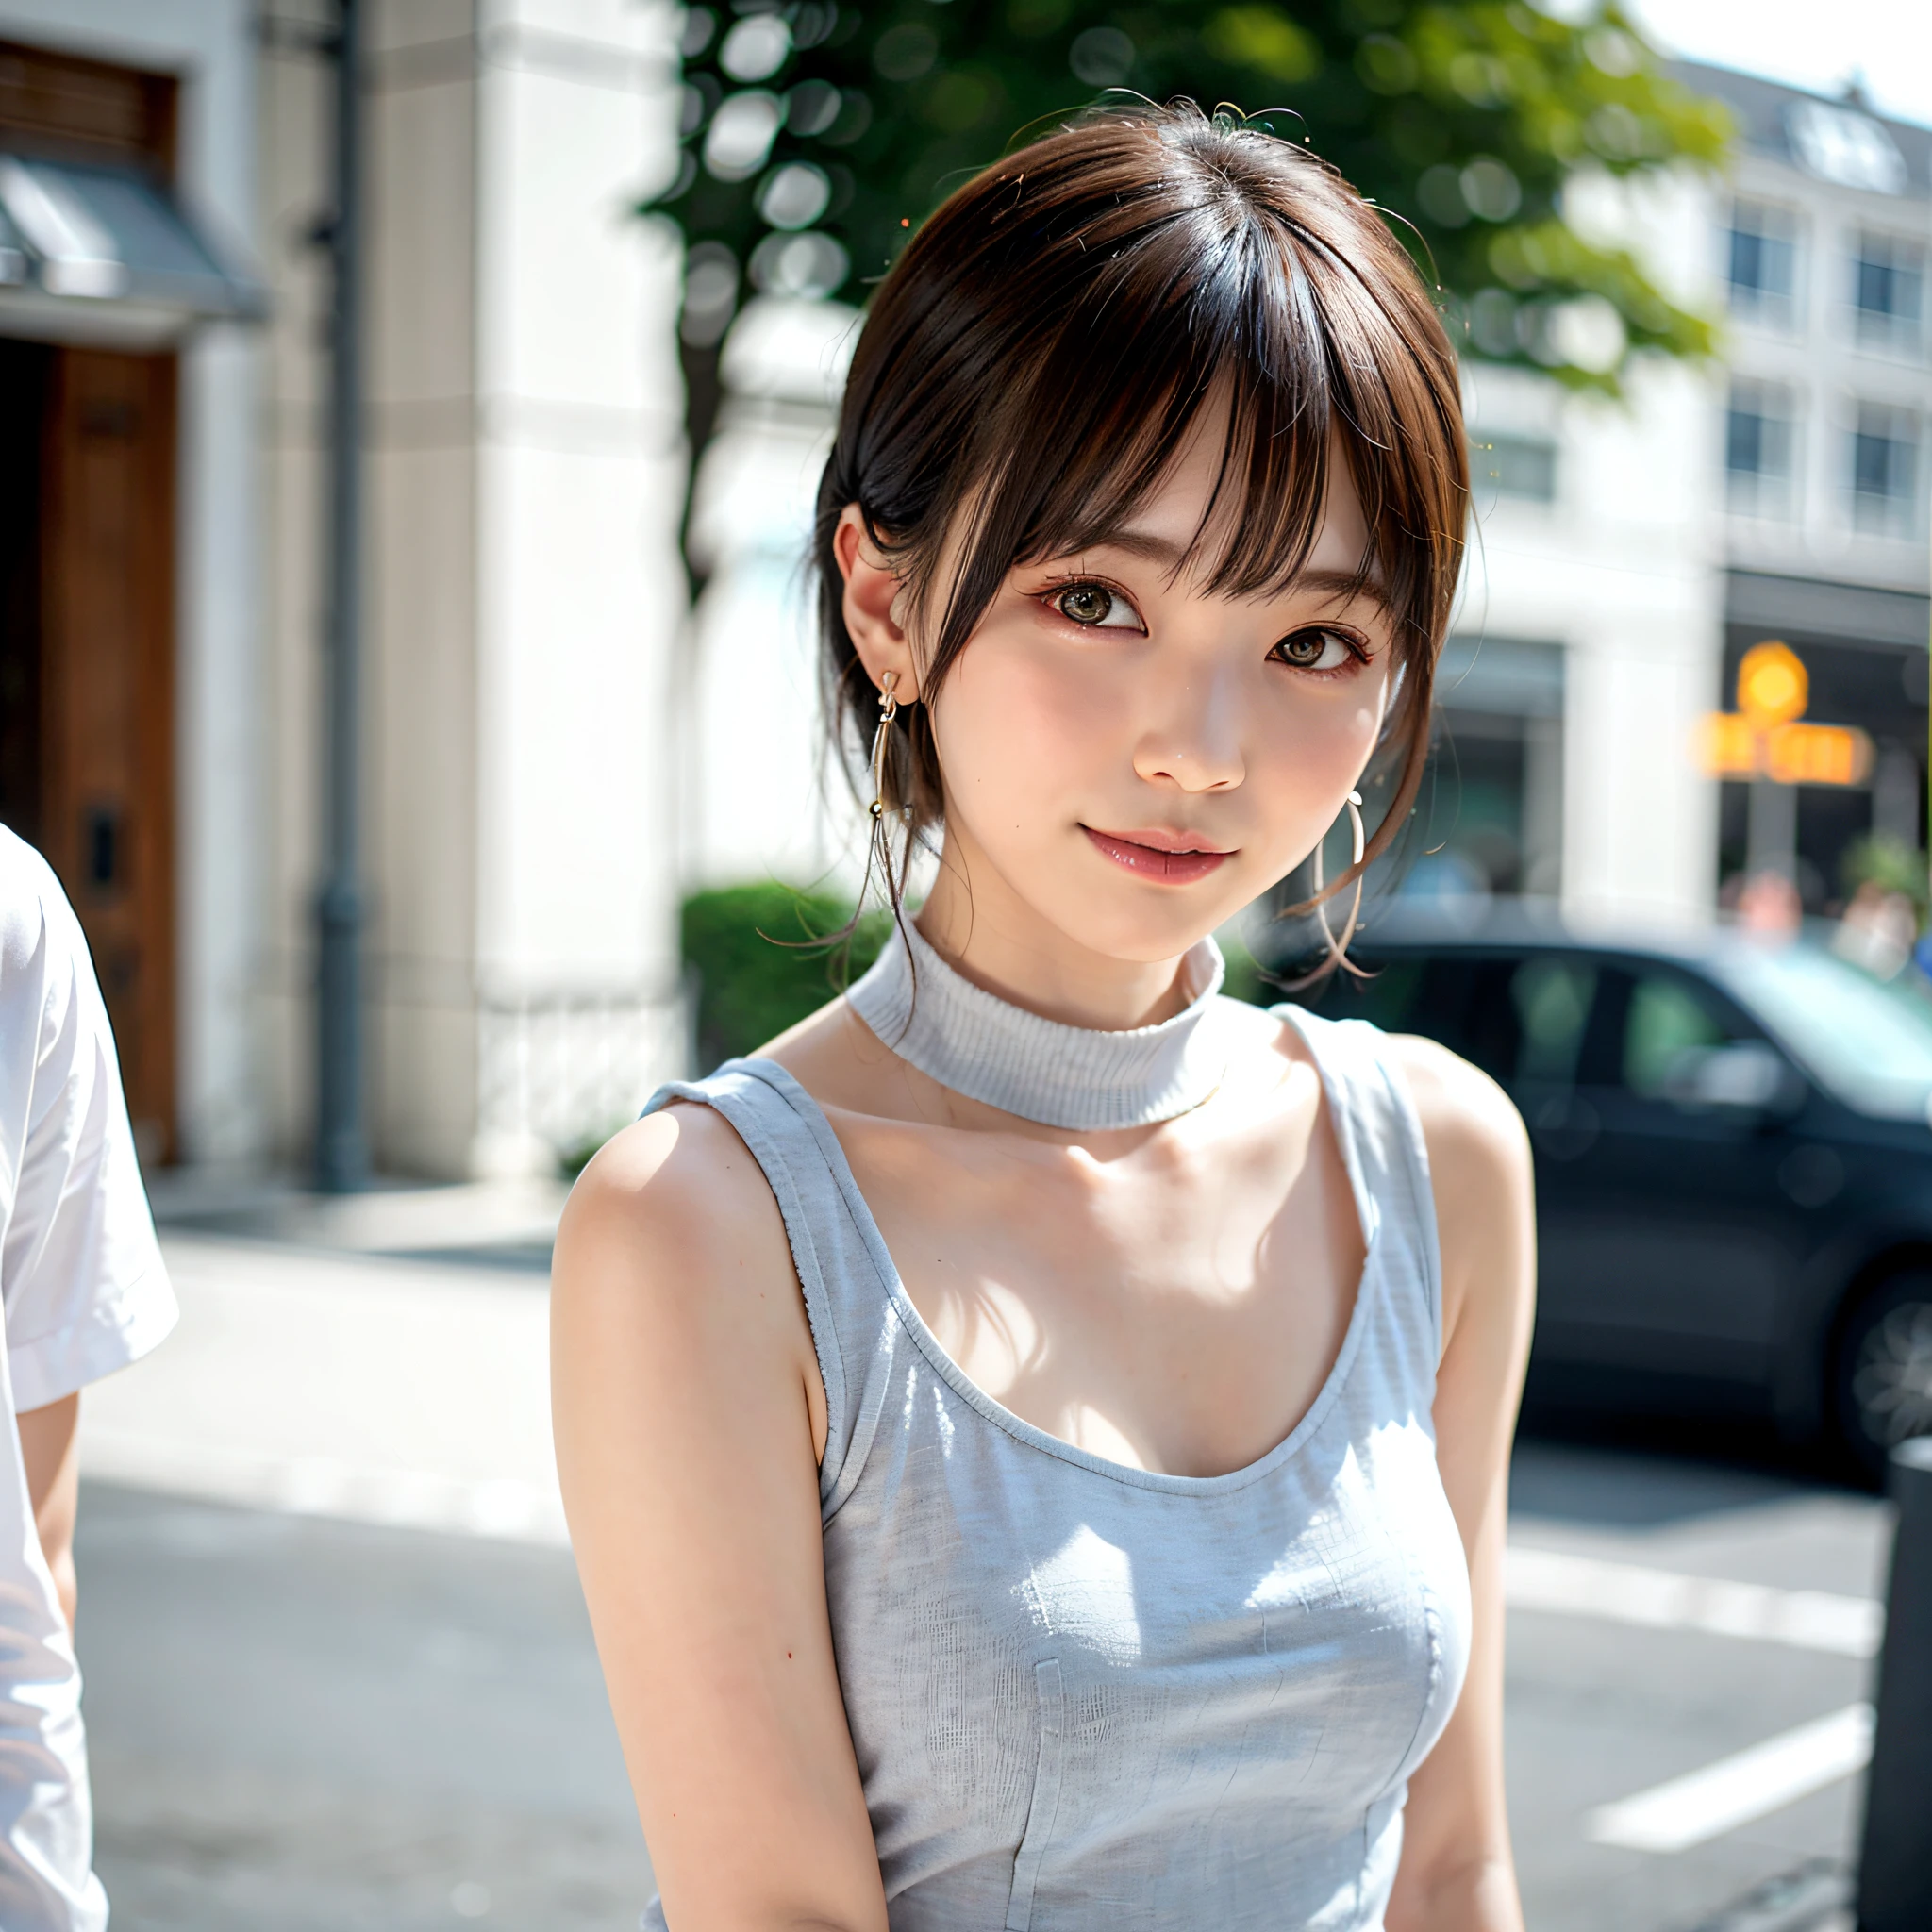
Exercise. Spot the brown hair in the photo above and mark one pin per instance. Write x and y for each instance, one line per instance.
(1039, 354)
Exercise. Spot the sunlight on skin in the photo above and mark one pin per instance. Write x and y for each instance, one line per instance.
(1235, 1259)
(991, 1333)
(1169, 715)
(1088, 1429)
(1183, 1284)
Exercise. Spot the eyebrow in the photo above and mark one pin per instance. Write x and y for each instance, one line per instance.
(1165, 550)
(1346, 584)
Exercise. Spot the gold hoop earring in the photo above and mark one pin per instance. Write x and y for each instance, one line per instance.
(889, 709)
(1338, 949)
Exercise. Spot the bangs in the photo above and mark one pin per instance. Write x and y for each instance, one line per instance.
(1211, 310)
(1179, 342)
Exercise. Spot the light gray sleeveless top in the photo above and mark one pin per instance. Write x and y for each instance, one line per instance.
(1088, 1698)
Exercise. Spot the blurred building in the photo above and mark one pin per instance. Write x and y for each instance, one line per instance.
(164, 165)
(1826, 513)
(1632, 559)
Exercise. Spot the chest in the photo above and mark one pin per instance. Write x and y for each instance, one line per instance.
(1173, 1302)
(1258, 1662)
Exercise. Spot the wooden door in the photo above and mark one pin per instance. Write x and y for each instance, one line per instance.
(106, 690)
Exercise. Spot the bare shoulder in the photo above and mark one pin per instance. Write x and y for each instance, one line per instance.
(1482, 1177)
(674, 1188)
(672, 1252)
(1470, 1123)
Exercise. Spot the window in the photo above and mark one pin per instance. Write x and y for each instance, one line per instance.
(1678, 1047)
(1885, 471)
(1888, 292)
(1760, 437)
(1524, 466)
(1841, 144)
(1868, 1041)
(1763, 267)
(1667, 1030)
(1552, 997)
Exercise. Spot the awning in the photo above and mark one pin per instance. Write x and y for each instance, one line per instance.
(104, 253)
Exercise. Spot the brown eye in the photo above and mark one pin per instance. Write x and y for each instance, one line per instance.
(1087, 604)
(1096, 607)
(1313, 650)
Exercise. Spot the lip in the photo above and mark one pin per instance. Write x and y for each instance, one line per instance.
(1173, 858)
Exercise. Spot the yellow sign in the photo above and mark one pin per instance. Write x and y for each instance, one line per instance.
(1818, 755)
(1772, 684)
(1762, 738)
(1791, 754)
(1729, 746)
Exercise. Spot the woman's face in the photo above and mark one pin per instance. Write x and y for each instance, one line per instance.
(1131, 759)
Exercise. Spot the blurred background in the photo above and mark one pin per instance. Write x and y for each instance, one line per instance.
(410, 416)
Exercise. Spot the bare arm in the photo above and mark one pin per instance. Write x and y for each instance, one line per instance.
(1457, 1872)
(689, 1419)
(49, 1440)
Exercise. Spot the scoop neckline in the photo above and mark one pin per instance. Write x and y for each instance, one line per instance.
(1369, 1220)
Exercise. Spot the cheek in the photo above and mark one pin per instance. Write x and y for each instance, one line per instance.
(1018, 725)
(1318, 739)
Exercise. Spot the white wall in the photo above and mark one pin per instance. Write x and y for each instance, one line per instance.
(762, 799)
(211, 45)
(579, 587)
(1623, 570)
(1820, 361)
(524, 477)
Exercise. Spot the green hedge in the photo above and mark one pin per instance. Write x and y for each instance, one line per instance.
(761, 961)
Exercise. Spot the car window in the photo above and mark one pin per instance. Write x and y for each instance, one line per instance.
(1685, 1045)
(1521, 1020)
(1868, 1042)
(1667, 1030)
(1552, 998)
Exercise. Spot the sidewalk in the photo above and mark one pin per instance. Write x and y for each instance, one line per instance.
(326, 1381)
(494, 1223)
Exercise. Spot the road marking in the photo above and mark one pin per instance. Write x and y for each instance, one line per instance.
(495, 1507)
(1704, 1804)
(1666, 1600)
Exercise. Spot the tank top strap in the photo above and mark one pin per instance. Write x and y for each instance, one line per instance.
(1383, 1148)
(843, 1271)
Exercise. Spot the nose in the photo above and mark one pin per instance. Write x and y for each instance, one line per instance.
(1195, 742)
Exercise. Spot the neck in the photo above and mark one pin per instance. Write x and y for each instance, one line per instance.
(970, 1040)
(988, 935)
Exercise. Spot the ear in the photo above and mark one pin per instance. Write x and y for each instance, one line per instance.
(874, 606)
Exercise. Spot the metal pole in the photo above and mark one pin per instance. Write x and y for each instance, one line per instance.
(1771, 829)
(1895, 1869)
(342, 1152)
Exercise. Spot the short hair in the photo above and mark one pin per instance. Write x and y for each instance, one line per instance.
(1040, 352)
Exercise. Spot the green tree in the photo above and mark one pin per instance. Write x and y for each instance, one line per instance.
(818, 136)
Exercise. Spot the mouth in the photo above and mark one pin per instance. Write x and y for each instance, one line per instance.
(1173, 858)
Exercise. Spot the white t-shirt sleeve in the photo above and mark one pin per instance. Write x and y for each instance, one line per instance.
(81, 1278)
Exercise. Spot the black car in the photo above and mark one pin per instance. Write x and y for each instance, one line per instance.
(1733, 1159)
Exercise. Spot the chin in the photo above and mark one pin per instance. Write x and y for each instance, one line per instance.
(1136, 930)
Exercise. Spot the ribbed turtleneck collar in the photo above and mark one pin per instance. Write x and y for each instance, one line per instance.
(990, 1050)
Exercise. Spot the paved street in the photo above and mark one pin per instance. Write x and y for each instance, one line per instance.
(339, 1674)
(1601, 1710)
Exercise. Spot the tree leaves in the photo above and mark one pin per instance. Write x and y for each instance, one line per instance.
(817, 137)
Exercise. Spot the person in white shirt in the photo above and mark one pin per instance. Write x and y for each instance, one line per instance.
(84, 1294)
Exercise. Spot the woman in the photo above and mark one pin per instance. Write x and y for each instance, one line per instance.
(1034, 1437)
